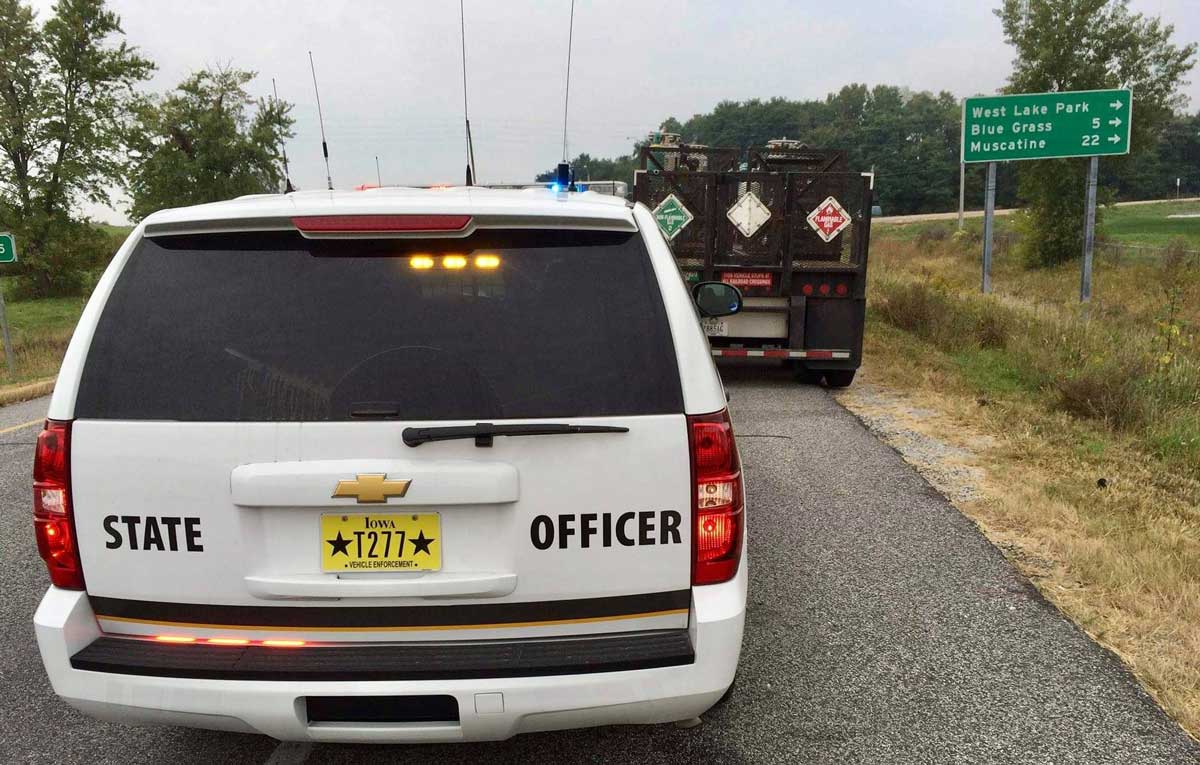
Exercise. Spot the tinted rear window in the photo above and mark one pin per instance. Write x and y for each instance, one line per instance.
(274, 327)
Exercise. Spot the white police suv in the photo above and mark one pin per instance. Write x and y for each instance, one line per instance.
(392, 465)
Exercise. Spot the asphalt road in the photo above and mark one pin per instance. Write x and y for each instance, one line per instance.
(882, 628)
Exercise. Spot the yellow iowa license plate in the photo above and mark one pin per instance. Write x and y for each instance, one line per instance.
(381, 542)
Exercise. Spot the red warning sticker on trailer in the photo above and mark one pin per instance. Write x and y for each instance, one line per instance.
(748, 278)
(829, 219)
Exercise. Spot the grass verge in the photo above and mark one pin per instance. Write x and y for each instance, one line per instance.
(1083, 425)
(40, 331)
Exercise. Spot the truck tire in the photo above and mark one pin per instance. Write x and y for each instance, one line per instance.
(804, 375)
(839, 378)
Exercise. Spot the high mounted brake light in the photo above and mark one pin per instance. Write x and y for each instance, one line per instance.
(379, 224)
(717, 505)
(53, 522)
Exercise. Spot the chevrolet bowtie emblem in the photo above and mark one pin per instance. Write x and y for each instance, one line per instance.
(371, 488)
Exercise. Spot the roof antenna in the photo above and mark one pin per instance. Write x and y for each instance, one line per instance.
(321, 122)
(565, 179)
(378, 175)
(287, 175)
(462, 24)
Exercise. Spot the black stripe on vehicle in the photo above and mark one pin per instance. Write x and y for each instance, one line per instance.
(411, 661)
(345, 617)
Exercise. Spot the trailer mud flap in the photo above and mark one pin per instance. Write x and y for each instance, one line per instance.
(835, 324)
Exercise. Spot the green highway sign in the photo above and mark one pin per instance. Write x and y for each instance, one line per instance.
(1082, 123)
(8, 249)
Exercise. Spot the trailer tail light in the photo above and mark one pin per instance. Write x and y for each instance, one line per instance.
(825, 288)
(717, 518)
(53, 523)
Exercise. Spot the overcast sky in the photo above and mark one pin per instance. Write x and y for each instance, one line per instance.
(391, 80)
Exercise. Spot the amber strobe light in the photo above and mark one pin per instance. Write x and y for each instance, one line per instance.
(716, 499)
(53, 525)
(230, 641)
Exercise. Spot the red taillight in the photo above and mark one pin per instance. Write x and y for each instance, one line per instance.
(379, 224)
(53, 524)
(824, 289)
(716, 499)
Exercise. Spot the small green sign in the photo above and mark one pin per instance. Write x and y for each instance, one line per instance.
(672, 216)
(8, 248)
(1080, 123)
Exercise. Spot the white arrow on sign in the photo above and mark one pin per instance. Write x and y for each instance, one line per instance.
(1114, 139)
(1116, 104)
(1115, 122)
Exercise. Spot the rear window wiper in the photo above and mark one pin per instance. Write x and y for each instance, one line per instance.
(484, 432)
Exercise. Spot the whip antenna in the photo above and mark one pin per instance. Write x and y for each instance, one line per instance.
(321, 122)
(378, 175)
(287, 175)
(567, 90)
(462, 25)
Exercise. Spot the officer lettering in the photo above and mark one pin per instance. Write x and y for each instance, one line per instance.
(586, 530)
(162, 533)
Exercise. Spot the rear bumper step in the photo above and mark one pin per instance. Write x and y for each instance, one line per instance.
(397, 661)
(778, 353)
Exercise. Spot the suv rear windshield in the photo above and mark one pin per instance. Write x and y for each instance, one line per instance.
(275, 327)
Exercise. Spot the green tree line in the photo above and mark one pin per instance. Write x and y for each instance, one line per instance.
(74, 126)
(912, 141)
(912, 138)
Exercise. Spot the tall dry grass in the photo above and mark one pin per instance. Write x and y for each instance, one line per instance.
(1131, 361)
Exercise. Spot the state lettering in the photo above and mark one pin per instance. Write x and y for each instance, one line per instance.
(147, 533)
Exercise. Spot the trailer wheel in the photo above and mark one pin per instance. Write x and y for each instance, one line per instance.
(839, 378)
(804, 375)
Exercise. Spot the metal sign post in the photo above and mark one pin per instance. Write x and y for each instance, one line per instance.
(989, 211)
(962, 191)
(1089, 232)
(8, 254)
